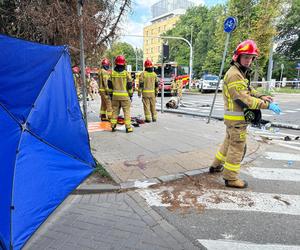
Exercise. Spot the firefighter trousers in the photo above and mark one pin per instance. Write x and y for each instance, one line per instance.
(149, 108)
(105, 109)
(116, 107)
(232, 151)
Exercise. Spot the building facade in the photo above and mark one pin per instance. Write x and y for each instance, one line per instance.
(165, 14)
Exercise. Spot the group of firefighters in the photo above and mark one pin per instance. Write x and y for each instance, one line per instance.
(116, 90)
(242, 104)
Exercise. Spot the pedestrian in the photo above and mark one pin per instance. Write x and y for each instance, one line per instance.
(239, 98)
(179, 90)
(104, 75)
(120, 85)
(173, 87)
(148, 88)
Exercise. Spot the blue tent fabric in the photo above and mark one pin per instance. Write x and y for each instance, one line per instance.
(44, 147)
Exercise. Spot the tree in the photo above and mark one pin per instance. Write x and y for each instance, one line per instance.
(200, 23)
(125, 49)
(289, 30)
(256, 20)
(56, 22)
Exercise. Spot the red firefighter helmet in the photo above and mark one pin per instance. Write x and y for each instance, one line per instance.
(148, 64)
(246, 47)
(120, 60)
(105, 62)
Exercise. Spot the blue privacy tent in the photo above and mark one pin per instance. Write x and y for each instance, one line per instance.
(44, 147)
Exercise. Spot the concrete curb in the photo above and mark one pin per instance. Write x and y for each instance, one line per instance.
(145, 183)
(132, 185)
(274, 124)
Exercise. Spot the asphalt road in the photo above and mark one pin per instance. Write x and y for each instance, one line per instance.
(201, 103)
(264, 216)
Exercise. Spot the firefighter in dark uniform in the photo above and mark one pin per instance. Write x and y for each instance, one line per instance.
(120, 86)
(148, 88)
(239, 98)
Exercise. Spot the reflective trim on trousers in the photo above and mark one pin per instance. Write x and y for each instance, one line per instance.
(232, 167)
(220, 156)
(127, 121)
(148, 91)
(113, 121)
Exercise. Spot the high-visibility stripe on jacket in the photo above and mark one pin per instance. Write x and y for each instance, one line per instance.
(103, 80)
(238, 95)
(148, 84)
(120, 88)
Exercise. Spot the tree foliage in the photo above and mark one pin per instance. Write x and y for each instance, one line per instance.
(256, 20)
(289, 30)
(56, 22)
(130, 53)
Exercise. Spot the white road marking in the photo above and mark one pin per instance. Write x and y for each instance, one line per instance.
(229, 200)
(242, 245)
(273, 173)
(291, 111)
(282, 156)
(288, 146)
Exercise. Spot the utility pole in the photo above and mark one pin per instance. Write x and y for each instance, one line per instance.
(270, 66)
(136, 59)
(82, 62)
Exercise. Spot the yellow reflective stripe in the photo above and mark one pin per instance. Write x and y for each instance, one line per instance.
(232, 167)
(102, 90)
(239, 86)
(220, 156)
(120, 94)
(103, 112)
(254, 104)
(127, 121)
(148, 91)
(113, 121)
(118, 74)
(230, 84)
(234, 118)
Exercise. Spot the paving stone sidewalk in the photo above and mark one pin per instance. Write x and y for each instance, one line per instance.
(174, 144)
(108, 221)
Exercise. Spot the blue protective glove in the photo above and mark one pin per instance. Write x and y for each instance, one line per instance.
(274, 107)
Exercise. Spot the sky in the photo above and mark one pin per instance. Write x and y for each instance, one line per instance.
(140, 16)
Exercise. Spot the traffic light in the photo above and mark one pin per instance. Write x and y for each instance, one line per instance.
(165, 52)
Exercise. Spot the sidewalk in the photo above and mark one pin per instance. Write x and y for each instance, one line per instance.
(174, 146)
(171, 148)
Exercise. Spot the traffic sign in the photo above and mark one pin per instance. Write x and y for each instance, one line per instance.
(230, 24)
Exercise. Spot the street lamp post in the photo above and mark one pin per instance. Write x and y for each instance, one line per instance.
(177, 38)
(82, 62)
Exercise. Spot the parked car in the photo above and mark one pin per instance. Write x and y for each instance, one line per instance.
(209, 82)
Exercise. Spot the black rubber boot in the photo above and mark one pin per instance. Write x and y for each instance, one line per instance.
(113, 128)
(236, 183)
(148, 121)
(129, 130)
(217, 169)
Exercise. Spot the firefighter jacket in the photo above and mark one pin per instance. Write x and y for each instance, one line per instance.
(120, 85)
(238, 96)
(148, 84)
(103, 81)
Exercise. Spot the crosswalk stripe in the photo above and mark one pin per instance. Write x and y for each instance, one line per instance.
(282, 156)
(242, 245)
(230, 200)
(273, 173)
(291, 111)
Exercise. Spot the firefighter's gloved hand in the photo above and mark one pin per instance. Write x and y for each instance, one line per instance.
(275, 108)
(139, 95)
(110, 96)
(130, 98)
